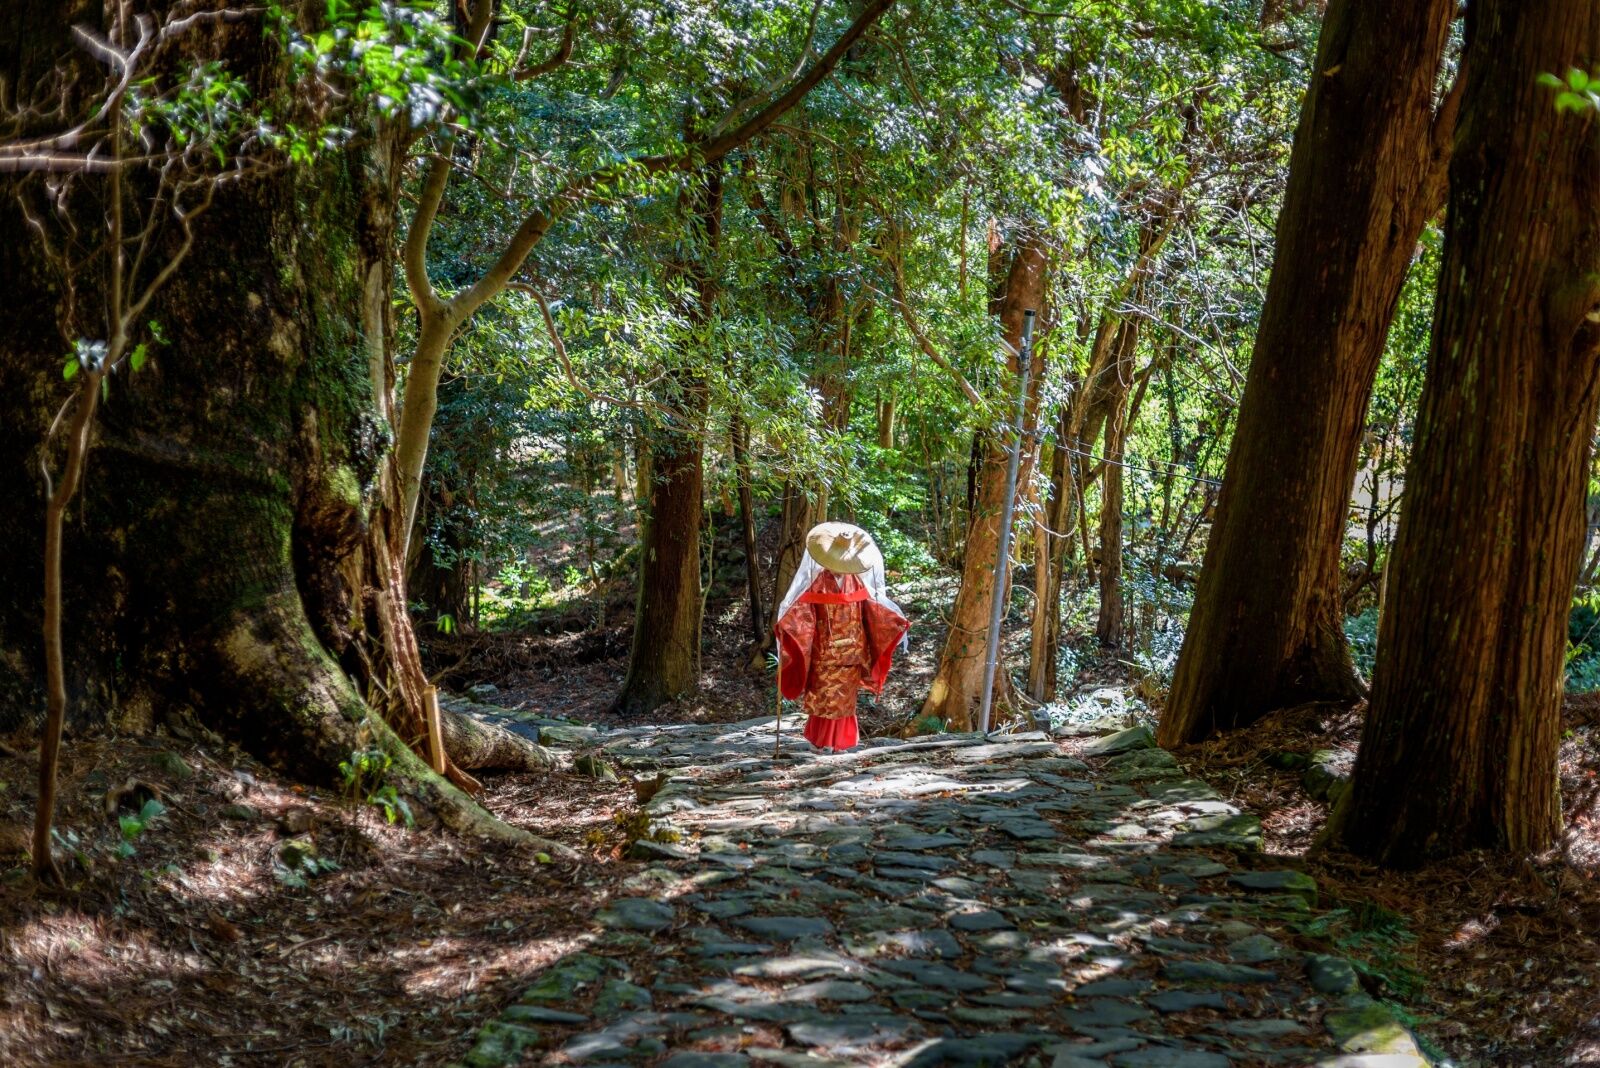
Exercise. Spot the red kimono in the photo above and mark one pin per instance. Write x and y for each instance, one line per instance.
(833, 641)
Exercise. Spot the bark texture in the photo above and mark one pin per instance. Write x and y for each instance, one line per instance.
(1364, 178)
(958, 684)
(1460, 741)
(230, 481)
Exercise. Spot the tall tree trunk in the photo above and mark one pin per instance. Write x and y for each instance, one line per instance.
(1365, 176)
(1459, 746)
(1109, 625)
(958, 683)
(231, 478)
(664, 662)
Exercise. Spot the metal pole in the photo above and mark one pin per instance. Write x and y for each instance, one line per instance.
(1002, 568)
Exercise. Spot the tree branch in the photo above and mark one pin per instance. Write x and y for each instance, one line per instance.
(897, 280)
(538, 222)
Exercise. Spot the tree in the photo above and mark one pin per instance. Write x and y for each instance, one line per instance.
(208, 564)
(1365, 175)
(1459, 746)
(957, 685)
(664, 662)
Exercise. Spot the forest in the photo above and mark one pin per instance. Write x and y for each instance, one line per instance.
(709, 533)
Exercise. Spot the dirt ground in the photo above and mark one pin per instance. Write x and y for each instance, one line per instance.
(1504, 956)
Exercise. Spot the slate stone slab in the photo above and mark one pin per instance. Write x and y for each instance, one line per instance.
(986, 920)
(637, 914)
(1210, 971)
(786, 928)
(1332, 975)
(1167, 1057)
(1186, 1000)
(1282, 882)
(1121, 742)
(693, 1059)
(852, 1032)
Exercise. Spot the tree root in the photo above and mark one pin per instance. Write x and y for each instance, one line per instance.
(474, 745)
(286, 699)
(454, 807)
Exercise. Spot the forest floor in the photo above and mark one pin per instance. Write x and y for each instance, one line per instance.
(256, 922)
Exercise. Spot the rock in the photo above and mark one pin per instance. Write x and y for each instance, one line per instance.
(847, 1032)
(296, 820)
(941, 976)
(637, 914)
(618, 996)
(786, 928)
(1168, 1057)
(1112, 988)
(1284, 760)
(1002, 859)
(1026, 829)
(296, 852)
(985, 920)
(1256, 949)
(1332, 975)
(1260, 1028)
(569, 975)
(980, 1051)
(501, 1044)
(562, 734)
(1121, 742)
(1143, 759)
(1071, 1060)
(1210, 971)
(242, 813)
(1365, 1026)
(695, 1059)
(931, 943)
(1282, 882)
(1102, 1012)
(172, 764)
(594, 767)
(482, 691)
(526, 1014)
(1325, 780)
(648, 849)
(1185, 1000)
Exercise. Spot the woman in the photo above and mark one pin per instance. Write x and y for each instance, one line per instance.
(837, 632)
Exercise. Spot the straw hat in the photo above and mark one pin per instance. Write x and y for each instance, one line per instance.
(843, 548)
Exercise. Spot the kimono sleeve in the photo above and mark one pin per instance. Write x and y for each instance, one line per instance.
(885, 627)
(797, 635)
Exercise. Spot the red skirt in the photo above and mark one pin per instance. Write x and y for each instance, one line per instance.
(837, 733)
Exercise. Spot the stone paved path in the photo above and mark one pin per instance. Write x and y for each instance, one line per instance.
(942, 901)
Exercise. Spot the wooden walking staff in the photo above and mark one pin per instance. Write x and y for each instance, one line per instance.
(777, 724)
(1007, 509)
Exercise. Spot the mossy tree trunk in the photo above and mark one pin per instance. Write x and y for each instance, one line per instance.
(1364, 177)
(230, 482)
(1459, 746)
(957, 685)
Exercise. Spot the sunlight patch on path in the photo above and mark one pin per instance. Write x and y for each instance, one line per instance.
(946, 901)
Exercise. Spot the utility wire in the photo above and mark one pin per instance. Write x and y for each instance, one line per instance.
(1182, 472)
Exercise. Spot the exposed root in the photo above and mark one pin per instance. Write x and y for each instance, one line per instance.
(475, 745)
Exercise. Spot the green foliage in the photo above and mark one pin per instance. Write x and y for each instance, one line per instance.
(1578, 91)
(132, 826)
(364, 774)
(1361, 631)
(1378, 941)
